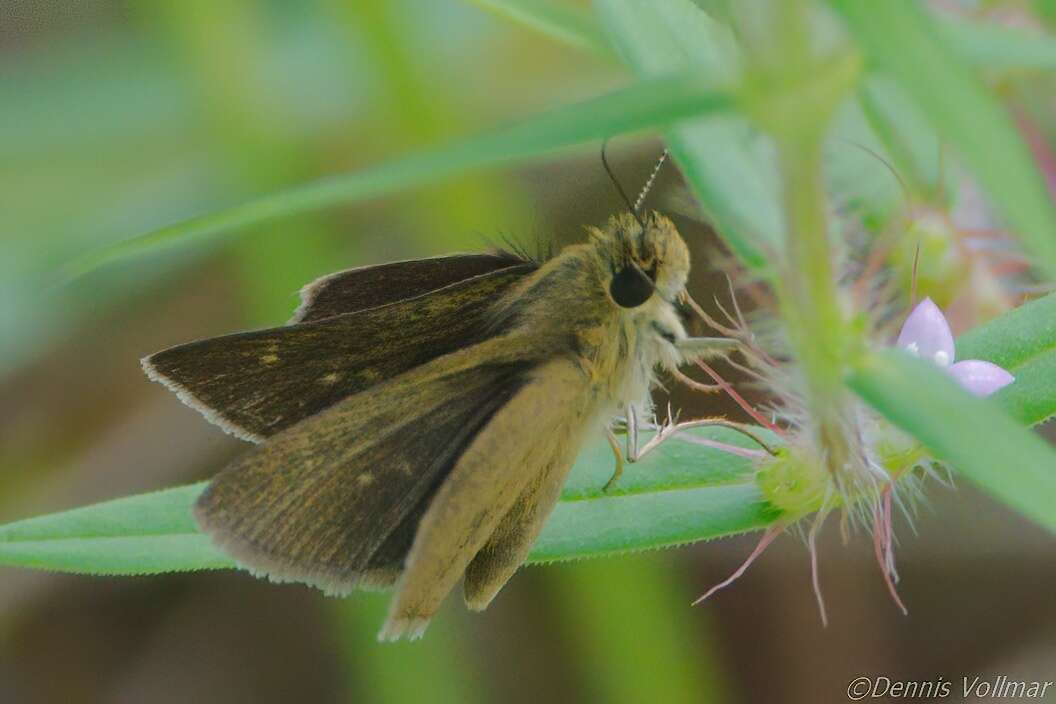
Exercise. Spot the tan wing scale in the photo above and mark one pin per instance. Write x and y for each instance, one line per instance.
(516, 460)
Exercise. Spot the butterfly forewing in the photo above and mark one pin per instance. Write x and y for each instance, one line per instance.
(256, 384)
(366, 287)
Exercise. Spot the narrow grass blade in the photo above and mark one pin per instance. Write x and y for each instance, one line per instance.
(1014, 338)
(144, 534)
(993, 47)
(561, 21)
(908, 136)
(682, 492)
(652, 520)
(1032, 398)
(724, 161)
(647, 103)
(902, 40)
(974, 435)
(602, 618)
(394, 674)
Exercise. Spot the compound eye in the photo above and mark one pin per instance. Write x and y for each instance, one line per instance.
(631, 287)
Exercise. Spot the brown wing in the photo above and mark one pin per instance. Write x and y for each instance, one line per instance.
(372, 286)
(331, 501)
(256, 384)
(493, 503)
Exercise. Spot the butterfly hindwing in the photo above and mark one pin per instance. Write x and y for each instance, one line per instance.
(256, 384)
(494, 500)
(334, 501)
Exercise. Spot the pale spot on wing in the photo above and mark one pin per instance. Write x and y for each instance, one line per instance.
(269, 358)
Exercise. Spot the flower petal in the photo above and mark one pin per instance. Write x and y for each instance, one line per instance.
(927, 334)
(979, 377)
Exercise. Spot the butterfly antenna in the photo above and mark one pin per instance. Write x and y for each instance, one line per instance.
(649, 183)
(615, 182)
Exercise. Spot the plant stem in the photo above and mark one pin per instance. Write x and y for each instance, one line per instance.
(809, 296)
(792, 93)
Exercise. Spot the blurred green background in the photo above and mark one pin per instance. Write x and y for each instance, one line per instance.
(118, 118)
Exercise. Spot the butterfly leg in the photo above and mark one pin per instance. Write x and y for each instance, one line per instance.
(618, 455)
(632, 447)
(693, 348)
(632, 434)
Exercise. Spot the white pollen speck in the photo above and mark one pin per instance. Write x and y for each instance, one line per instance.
(331, 378)
(913, 349)
(366, 478)
(269, 358)
(942, 358)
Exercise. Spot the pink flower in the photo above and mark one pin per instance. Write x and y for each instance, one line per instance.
(927, 334)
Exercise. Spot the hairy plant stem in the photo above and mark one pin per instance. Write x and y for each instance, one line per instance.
(792, 93)
(809, 297)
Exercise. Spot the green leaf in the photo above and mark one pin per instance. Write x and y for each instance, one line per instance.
(908, 137)
(144, 534)
(651, 520)
(682, 492)
(566, 23)
(857, 171)
(1023, 341)
(910, 141)
(974, 435)
(726, 163)
(993, 47)
(1032, 398)
(968, 115)
(1015, 337)
(647, 103)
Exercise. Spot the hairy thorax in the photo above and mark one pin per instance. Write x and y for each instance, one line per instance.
(618, 349)
(566, 308)
(627, 370)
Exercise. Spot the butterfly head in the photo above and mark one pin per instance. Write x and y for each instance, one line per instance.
(643, 256)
